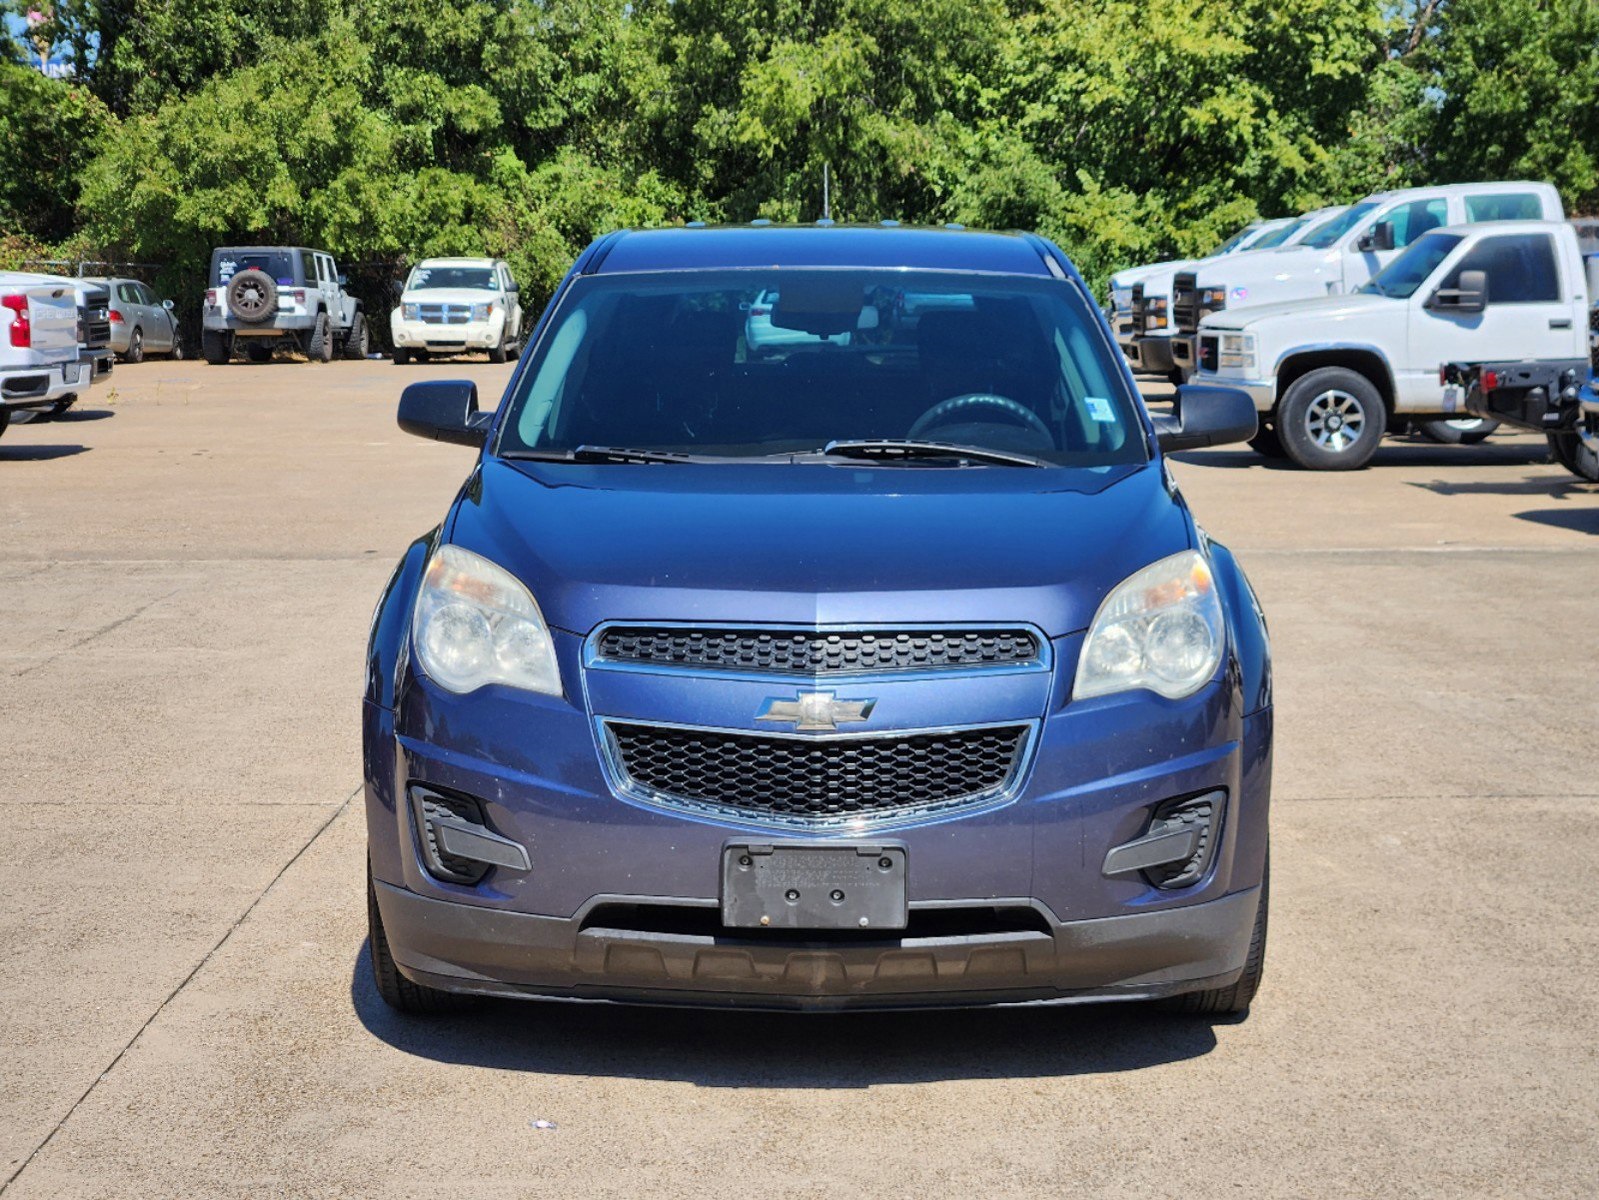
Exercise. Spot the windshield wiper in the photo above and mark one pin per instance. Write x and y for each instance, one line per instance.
(600, 454)
(906, 449)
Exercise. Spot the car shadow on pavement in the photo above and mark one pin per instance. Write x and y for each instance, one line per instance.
(1577, 520)
(722, 1048)
(80, 414)
(1556, 487)
(21, 452)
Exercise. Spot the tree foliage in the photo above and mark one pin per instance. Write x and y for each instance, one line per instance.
(1127, 129)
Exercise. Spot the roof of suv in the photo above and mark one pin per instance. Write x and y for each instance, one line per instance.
(724, 247)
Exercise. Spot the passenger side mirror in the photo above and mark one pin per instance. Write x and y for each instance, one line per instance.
(398, 287)
(1207, 416)
(1470, 297)
(513, 286)
(1381, 237)
(167, 304)
(444, 410)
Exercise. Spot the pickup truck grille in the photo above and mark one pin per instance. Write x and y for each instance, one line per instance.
(94, 320)
(1138, 309)
(1209, 352)
(1185, 303)
(444, 314)
(814, 653)
(815, 782)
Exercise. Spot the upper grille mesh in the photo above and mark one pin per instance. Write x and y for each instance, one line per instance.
(1185, 303)
(817, 780)
(814, 653)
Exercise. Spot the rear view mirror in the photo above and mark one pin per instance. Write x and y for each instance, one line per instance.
(1381, 237)
(444, 410)
(1471, 296)
(1207, 416)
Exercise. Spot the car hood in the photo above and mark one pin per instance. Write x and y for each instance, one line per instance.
(815, 544)
(449, 296)
(1154, 272)
(1318, 312)
(1293, 269)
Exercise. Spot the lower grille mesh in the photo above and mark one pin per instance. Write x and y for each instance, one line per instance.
(817, 780)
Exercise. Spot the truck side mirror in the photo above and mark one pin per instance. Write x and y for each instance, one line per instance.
(444, 410)
(1207, 416)
(1470, 296)
(1380, 237)
(344, 280)
(398, 287)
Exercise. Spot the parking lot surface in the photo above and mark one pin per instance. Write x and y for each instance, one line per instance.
(187, 566)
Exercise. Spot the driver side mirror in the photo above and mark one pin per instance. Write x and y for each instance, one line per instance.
(1381, 237)
(1207, 416)
(1471, 296)
(444, 410)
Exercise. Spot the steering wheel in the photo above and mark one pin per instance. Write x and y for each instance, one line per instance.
(956, 407)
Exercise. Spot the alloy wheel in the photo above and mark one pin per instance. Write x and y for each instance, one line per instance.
(1335, 420)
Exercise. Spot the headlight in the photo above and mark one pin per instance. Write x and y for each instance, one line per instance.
(408, 312)
(1212, 299)
(475, 624)
(1238, 351)
(480, 312)
(1159, 629)
(1155, 312)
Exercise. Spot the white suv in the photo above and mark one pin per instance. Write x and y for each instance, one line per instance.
(457, 306)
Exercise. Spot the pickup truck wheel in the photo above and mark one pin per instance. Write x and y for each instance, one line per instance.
(319, 342)
(355, 342)
(1266, 442)
(1235, 1000)
(1457, 431)
(1577, 456)
(5, 419)
(1331, 419)
(216, 346)
(135, 352)
(402, 356)
(398, 992)
(497, 353)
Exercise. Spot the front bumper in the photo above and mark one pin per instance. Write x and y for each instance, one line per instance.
(445, 339)
(1262, 391)
(465, 948)
(1151, 353)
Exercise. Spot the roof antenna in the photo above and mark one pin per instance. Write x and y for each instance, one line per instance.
(827, 202)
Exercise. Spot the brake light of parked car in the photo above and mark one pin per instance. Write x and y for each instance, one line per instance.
(21, 328)
(211, 297)
(1490, 380)
(116, 317)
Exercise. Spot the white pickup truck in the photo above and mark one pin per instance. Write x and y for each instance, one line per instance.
(1341, 255)
(1330, 374)
(1140, 297)
(40, 365)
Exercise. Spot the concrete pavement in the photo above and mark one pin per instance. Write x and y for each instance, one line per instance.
(186, 571)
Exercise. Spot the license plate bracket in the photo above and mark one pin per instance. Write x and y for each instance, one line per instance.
(769, 885)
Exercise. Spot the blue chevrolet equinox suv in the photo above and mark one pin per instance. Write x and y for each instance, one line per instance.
(870, 660)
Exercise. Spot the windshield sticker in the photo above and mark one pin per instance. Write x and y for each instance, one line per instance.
(1100, 409)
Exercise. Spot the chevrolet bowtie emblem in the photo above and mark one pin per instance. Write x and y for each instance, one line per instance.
(815, 710)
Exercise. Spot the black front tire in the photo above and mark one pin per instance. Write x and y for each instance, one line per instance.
(497, 353)
(1235, 1000)
(1578, 457)
(355, 342)
(216, 346)
(135, 352)
(398, 992)
(402, 356)
(1331, 419)
(177, 353)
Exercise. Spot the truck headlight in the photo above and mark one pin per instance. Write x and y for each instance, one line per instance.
(480, 312)
(1155, 311)
(475, 624)
(408, 312)
(1161, 629)
(1238, 351)
(1212, 299)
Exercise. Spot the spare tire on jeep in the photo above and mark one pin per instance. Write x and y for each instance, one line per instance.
(252, 296)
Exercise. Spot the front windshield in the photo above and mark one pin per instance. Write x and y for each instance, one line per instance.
(1278, 236)
(424, 277)
(1232, 243)
(1331, 231)
(1400, 278)
(770, 363)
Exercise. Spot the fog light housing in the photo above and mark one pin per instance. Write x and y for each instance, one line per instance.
(1178, 845)
(456, 844)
